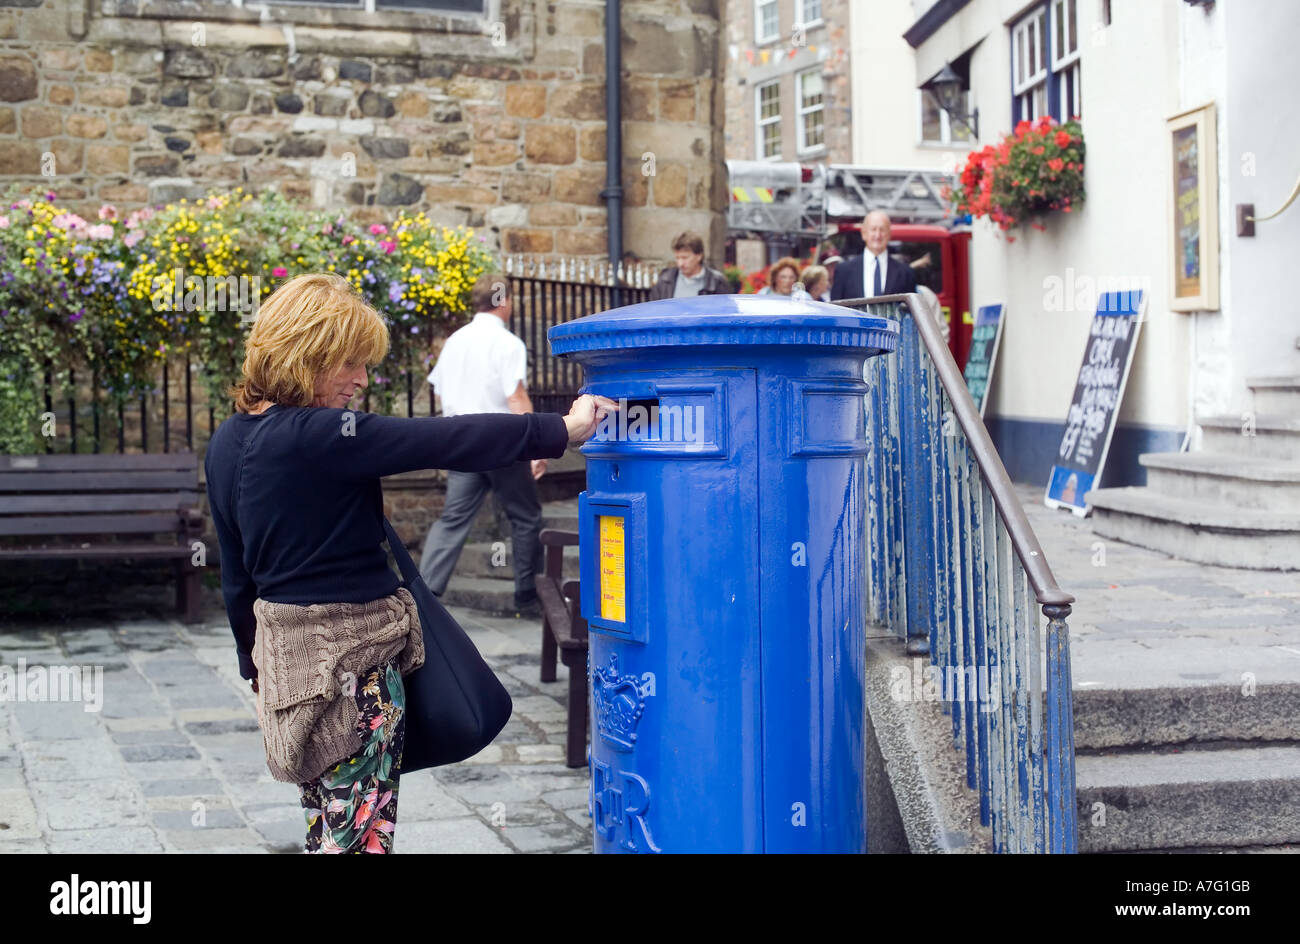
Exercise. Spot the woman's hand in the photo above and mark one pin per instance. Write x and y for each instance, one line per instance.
(585, 414)
(254, 683)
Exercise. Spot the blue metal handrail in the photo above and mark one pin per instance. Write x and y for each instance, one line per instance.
(954, 562)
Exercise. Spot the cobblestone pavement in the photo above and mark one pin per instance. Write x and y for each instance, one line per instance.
(176, 743)
(177, 733)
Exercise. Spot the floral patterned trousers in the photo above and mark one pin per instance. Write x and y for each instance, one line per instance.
(352, 807)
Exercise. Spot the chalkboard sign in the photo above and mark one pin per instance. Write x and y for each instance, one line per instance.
(1112, 339)
(984, 340)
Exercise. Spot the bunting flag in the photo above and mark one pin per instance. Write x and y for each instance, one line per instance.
(813, 50)
(749, 54)
(793, 50)
(764, 55)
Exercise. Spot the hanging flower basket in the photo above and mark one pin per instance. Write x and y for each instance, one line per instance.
(1034, 170)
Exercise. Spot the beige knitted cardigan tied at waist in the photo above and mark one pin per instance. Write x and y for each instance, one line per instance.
(309, 660)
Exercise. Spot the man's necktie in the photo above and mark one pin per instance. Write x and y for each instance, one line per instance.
(878, 289)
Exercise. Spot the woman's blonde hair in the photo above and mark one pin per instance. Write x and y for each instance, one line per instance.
(309, 327)
(812, 274)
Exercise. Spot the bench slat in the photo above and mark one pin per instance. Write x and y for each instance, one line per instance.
(102, 551)
(101, 462)
(131, 501)
(90, 524)
(121, 481)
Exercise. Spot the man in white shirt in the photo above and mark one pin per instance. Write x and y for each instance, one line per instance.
(481, 370)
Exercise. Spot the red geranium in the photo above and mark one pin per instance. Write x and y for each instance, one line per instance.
(1037, 168)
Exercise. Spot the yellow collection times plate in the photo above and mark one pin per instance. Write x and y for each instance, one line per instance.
(613, 594)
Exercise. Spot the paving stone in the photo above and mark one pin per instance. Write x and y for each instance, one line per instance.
(204, 839)
(512, 815)
(148, 771)
(147, 753)
(551, 837)
(18, 816)
(130, 840)
(420, 798)
(160, 736)
(90, 804)
(71, 760)
(483, 786)
(39, 721)
(23, 847)
(571, 799)
(465, 835)
(211, 818)
(193, 787)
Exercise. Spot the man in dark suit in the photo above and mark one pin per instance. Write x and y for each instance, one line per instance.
(875, 272)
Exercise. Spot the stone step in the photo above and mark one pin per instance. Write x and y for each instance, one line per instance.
(484, 594)
(1261, 435)
(495, 559)
(1276, 395)
(1215, 479)
(1191, 530)
(1221, 798)
(1257, 707)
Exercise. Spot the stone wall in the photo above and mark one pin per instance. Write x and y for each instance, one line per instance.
(497, 123)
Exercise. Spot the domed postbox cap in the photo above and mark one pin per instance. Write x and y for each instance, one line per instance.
(705, 320)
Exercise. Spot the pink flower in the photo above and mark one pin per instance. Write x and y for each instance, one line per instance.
(4, 222)
(378, 229)
(102, 231)
(279, 272)
(348, 239)
(388, 246)
(133, 238)
(327, 228)
(108, 212)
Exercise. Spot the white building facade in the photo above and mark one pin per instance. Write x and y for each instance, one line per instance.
(1124, 68)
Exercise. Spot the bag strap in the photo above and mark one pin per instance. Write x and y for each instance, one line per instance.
(410, 573)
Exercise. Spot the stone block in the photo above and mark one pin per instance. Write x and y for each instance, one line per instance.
(231, 96)
(413, 105)
(108, 159)
(525, 187)
(399, 190)
(591, 143)
(301, 147)
(528, 240)
(17, 79)
(640, 98)
(256, 64)
(655, 46)
(676, 100)
(550, 144)
(8, 121)
(553, 214)
(525, 101)
(581, 242)
(107, 96)
(68, 155)
(585, 102)
(670, 185)
(352, 70)
(41, 122)
(374, 105)
(578, 185)
(452, 193)
(61, 95)
(98, 60)
(87, 126)
(188, 62)
(495, 153)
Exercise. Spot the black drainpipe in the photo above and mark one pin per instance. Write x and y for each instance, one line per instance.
(613, 192)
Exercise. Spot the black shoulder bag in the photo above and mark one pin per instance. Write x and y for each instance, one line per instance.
(455, 705)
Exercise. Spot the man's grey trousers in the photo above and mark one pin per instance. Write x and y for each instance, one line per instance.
(516, 493)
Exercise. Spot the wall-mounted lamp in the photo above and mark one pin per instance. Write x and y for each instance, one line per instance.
(947, 88)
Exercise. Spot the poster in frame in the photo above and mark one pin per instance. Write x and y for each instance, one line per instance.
(1194, 235)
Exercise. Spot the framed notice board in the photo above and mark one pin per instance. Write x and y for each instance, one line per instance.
(1195, 231)
(984, 340)
(1090, 422)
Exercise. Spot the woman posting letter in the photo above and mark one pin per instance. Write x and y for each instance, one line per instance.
(322, 627)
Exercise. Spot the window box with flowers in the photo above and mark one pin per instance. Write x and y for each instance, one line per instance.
(1036, 169)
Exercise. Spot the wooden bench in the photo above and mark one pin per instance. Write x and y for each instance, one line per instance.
(565, 631)
(54, 503)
